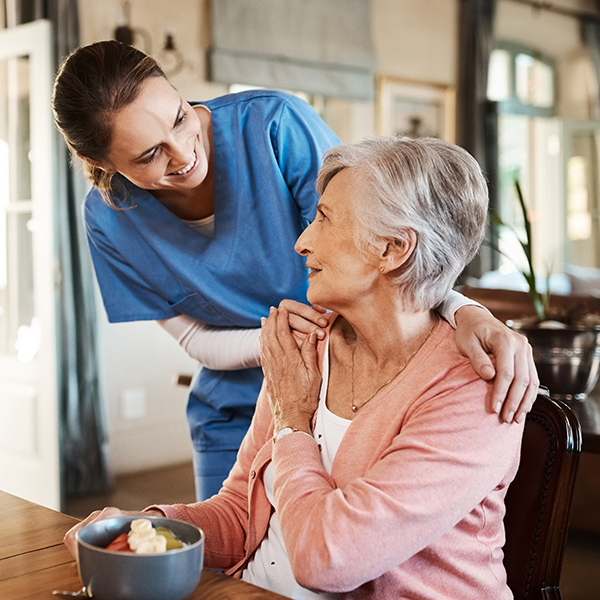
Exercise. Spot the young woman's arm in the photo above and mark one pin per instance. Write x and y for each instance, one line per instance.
(230, 349)
(479, 334)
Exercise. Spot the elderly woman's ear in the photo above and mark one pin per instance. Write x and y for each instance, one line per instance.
(395, 252)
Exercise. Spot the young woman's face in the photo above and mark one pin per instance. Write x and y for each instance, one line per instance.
(156, 140)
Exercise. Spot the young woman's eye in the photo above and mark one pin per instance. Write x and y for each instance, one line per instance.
(150, 157)
(182, 117)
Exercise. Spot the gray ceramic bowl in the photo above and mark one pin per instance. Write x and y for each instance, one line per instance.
(113, 575)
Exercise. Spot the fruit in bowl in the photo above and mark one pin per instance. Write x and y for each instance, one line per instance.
(118, 573)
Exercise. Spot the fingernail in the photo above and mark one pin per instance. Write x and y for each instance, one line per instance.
(323, 322)
(262, 320)
(520, 417)
(320, 334)
(497, 407)
(312, 337)
(271, 310)
(510, 416)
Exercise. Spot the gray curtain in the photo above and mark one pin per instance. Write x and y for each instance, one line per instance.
(83, 443)
(590, 32)
(317, 46)
(475, 116)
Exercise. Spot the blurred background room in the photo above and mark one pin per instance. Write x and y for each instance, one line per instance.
(93, 413)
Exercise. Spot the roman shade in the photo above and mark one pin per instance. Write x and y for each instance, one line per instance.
(316, 46)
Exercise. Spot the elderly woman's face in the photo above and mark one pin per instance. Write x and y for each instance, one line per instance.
(339, 272)
(156, 140)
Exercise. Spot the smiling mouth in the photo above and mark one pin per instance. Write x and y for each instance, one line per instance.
(187, 167)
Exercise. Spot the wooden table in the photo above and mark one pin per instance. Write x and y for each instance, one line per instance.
(33, 560)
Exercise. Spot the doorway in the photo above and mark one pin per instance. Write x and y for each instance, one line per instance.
(29, 435)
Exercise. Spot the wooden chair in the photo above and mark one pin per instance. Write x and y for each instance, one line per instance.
(539, 500)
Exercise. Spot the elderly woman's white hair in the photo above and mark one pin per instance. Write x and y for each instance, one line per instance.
(433, 187)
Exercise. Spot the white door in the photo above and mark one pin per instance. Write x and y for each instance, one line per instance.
(29, 449)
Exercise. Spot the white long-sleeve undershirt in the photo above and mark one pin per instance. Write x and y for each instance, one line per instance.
(230, 349)
(219, 348)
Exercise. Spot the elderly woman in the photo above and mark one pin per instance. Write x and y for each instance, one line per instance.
(373, 467)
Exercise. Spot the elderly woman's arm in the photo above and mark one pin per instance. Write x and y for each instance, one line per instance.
(450, 463)
(479, 334)
(224, 518)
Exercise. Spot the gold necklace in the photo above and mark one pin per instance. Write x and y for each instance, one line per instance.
(355, 408)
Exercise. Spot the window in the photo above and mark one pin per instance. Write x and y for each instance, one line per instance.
(523, 84)
(582, 193)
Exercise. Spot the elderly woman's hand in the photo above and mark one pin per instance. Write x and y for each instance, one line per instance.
(304, 319)
(516, 380)
(99, 515)
(292, 376)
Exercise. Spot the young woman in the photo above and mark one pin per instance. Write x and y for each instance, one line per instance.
(192, 221)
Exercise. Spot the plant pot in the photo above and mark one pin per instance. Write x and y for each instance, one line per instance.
(567, 359)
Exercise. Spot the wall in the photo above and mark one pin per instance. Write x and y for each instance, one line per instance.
(412, 40)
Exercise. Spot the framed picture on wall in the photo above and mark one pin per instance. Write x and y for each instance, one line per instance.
(415, 108)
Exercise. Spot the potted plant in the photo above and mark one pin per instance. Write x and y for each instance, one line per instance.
(566, 341)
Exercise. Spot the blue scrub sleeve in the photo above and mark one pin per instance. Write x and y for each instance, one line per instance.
(300, 141)
(125, 294)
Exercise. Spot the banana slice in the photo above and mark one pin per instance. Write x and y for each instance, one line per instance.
(154, 545)
(137, 538)
(139, 525)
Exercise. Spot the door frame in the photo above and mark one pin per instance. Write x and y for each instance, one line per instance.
(35, 475)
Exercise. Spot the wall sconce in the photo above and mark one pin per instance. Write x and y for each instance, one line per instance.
(170, 57)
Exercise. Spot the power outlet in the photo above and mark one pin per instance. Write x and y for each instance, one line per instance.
(133, 404)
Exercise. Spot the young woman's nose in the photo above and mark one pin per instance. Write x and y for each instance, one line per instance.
(181, 154)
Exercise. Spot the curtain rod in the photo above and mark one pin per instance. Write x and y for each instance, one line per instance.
(561, 10)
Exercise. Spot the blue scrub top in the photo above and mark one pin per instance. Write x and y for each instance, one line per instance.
(151, 265)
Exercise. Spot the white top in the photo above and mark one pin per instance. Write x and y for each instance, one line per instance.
(270, 567)
(204, 226)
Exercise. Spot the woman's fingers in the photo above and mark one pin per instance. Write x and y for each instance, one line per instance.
(516, 383)
(514, 373)
(98, 515)
(268, 335)
(304, 318)
(314, 313)
(284, 334)
(291, 373)
(309, 354)
(524, 386)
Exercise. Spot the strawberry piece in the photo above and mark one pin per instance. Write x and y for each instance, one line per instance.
(120, 544)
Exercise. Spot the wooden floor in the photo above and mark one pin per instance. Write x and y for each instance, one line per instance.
(581, 568)
(167, 485)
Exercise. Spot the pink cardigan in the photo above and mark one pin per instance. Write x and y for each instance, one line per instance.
(415, 501)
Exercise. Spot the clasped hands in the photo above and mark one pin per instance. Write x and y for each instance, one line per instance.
(289, 360)
(288, 352)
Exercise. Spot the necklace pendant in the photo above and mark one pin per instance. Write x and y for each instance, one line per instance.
(354, 408)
